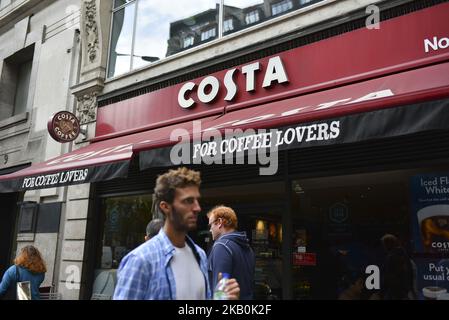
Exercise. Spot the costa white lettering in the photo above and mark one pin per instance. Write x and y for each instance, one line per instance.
(215, 86)
(436, 44)
(40, 181)
(183, 102)
(274, 73)
(74, 176)
(313, 132)
(249, 71)
(65, 116)
(261, 140)
(230, 85)
(440, 245)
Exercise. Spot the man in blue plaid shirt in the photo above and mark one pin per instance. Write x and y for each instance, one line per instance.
(170, 266)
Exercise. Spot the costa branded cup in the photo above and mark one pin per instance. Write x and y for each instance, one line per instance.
(434, 225)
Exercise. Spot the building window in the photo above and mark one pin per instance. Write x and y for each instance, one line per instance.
(280, 7)
(252, 17)
(205, 35)
(15, 83)
(121, 41)
(228, 25)
(22, 88)
(188, 41)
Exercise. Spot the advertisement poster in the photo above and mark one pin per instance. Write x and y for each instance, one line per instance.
(432, 279)
(430, 213)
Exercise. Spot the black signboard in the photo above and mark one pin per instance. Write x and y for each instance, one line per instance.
(27, 218)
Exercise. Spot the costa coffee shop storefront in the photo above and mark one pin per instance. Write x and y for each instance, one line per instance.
(321, 149)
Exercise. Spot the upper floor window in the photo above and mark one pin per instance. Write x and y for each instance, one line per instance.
(205, 35)
(22, 87)
(15, 83)
(252, 17)
(280, 7)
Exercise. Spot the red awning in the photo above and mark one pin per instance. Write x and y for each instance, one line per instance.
(110, 159)
(103, 160)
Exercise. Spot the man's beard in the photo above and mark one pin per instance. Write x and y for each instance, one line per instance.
(178, 223)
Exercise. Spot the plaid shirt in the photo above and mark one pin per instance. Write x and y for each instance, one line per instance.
(145, 273)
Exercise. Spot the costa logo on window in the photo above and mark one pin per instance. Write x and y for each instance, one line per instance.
(63, 126)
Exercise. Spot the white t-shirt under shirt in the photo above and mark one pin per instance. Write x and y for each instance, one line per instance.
(190, 282)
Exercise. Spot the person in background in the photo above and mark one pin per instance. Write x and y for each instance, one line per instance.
(153, 228)
(28, 266)
(231, 252)
(398, 273)
(170, 266)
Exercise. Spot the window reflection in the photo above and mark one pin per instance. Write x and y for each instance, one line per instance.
(280, 7)
(124, 228)
(252, 17)
(144, 31)
(125, 220)
(121, 41)
(194, 30)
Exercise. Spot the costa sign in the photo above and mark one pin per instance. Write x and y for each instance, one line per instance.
(209, 87)
(63, 126)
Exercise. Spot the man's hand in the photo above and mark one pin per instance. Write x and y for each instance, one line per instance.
(232, 288)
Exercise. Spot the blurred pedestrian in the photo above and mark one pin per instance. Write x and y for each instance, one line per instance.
(153, 228)
(28, 266)
(231, 252)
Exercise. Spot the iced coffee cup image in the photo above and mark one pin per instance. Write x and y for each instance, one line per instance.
(434, 225)
(433, 293)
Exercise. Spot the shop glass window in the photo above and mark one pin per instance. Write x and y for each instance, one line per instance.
(244, 13)
(259, 211)
(145, 31)
(124, 222)
(121, 40)
(337, 231)
(281, 7)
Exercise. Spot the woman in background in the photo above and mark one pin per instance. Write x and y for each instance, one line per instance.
(28, 266)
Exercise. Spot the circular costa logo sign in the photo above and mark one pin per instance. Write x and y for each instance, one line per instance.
(64, 126)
